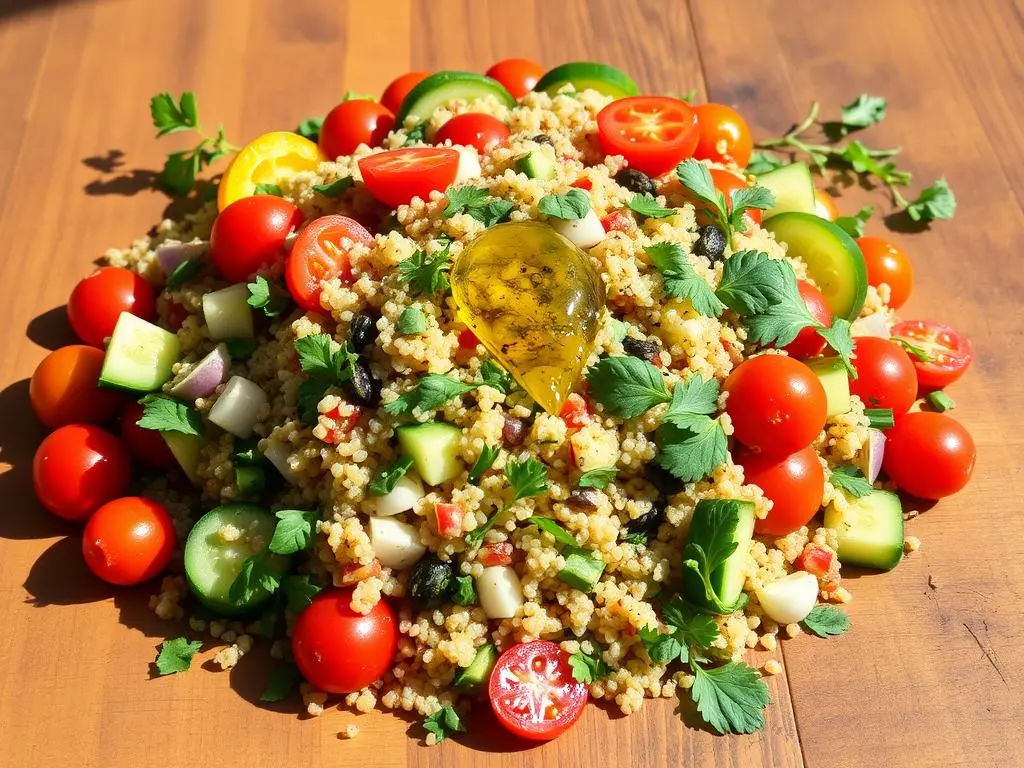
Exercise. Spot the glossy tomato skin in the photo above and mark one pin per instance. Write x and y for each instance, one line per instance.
(399, 88)
(517, 75)
(250, 233)
(64, 388)
(99, 299)
(825, 206)
(795, 484)
(536, 673)
(128, 540)
(482, 132)
(727, 182)
(809, 343)
(724, 135)
(320, 253)
(78, 468)
(145, 445)
(354, 122)
(777, 404)
(339, 650)
(885, 376)
(653, 133)
(929, 455)
(890, 265)
(396, 177)
(949, 353)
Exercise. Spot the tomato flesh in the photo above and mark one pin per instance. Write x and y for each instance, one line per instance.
(320, 253)
(653, 133)
(795, 484)
(64, 388)
(128, 540)
(575, 412)
(948, 353)
(533, 693)
(396, 177)
(929, 455)
(449, 518)
(498, 553)
(99, 299)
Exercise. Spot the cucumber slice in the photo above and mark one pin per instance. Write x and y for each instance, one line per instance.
(212, 561)
(582, 570)
(434, 448)
(728, 579)
(536, 165)
(444, 87)
(833, 259)
(479, 670)
(140, 355)
(792, 187)
(870, 530)
(835, 381)
(588, 74)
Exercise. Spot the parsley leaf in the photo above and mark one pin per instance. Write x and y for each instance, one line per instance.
(299, 591)
(464, 591)
(587, 667)
(180, 168)
(254, 578)
(412, 321)
(597, 478)
(429, 394)
(785, 318)
(169, 117)
(328, 364)
(862, 112)
(186, 271)
(748, 198)
(241, 349)
(176, 655)
(692, 452)
(388, 477)
(168, 415)
(443, 723)
(283, 680)
(416, 135)
(763, 162)
(696, 177)
(662, 648)
(334, 188)
(627, 386)
(940, 401)
(427, 274)
(548, 525)
(826, 621)
(851, 480)
(879, 418)
(731, 698)
(854, 225)
(268, 189)
(478, 204)
(528, 477)
(681, 281)
(692, 397)
(751, 282)
(574, 204)
(934, 202)
(294, 531)
(837, 336)
(646, 205)
(721, 518)
(267, 296)
(494, 375)
(637, 537)
(483, 462)
(691, 627)
(310, 128)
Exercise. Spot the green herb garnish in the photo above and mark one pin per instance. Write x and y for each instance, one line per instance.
(854, 225)
(334, 188)
(427, 274)
(681, 281)
(268, 189)
(574, 204)
(647, 206)
(254, 577)
(168, 415)
(176, 655)
(728, 214)
(267, 296)
(185, 272)
(310, 128)
(464, 591)
(495, 376)
(327, 364)
(627, 387)
(429, 394)
(412, 321)
(388, 477)
(299, 592)
(850, 479)
(478, 204)
(826, 621)
(597, 478)
(293, 532)
(443, 723)
(483, 462)
(528, 477)
(723, 518)
(282, 682)
(731, 698)
(553, 527)
(588, 667)
(181, 168)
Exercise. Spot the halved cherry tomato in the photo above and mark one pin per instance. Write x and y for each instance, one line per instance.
(263, 161)
(399, 88)
(477, 130)
(929, 455)
(396, 177)
(618, 221)
(724, 135)
(809, 342)
(885, 376)
(795, 484)
(825, 206)
(449, 518)
(250, 234)
(949, 353)
(583, 183)
(99, 299)
(726, 182)
(888, 264)
(78, 468)
(341, 425)
(146, 445)
(64, 388)
(128, 540)
(814, 559)
(533, 692)
(354, 122)
(320, 253)
(653, 133)
(517, 75)
(468, 339)
(575, 412)
(498, 553)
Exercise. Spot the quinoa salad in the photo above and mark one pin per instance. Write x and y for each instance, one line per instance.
(505, 392)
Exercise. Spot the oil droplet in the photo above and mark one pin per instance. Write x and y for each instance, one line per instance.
(534, 300)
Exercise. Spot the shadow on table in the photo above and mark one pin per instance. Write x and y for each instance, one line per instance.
(51, 330)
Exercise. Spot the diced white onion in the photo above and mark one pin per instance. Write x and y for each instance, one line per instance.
(238, 407)
(403, 497)
(501, 594)
(469, 164)
(278, 454)
(584, 233)
(396, 544)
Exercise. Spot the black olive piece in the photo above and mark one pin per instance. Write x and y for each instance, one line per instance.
(642, 348)
(362, 332)
(543, 138)
(430, 581)
(513, 431)
(666, 483)
(583, 498)
(635, 181)
(649, 522)
(710, 243)
(364, 385)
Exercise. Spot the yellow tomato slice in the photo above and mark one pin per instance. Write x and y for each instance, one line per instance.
(266, 160)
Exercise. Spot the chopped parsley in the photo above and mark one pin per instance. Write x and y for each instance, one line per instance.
(427, 274)
(282, 682)
(553, 527)
(728, 215)
(327, 364)
(588, 667)
(528, 477)
(267, 296)
(597, 478)
(168, 415)
(574, 204)
(850, 479)
(826, 621)
(694, 451)
(862, 112)
(627, 387)
(412, 321)
(268, 189)
(334, 188)
(293, 532)
(181, 168)
(310, 128)
(478, 204)
(681, 281)
(854, 225)
(176, 655)
(388, 477)
(429, 394)
(443, 724)
(299, 592)
(185, 272)
(495, 376)
(645, 204)
(254, 577)
(913, 350)
(731, 698)
(483, 462)
(464, 591)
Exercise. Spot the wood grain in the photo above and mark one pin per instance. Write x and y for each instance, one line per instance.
(931, 673)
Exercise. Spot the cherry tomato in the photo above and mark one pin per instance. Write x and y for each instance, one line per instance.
(146, 445)
(653, 133)
(824, 205)
(78, 468)
(724, 135)
(472, 129)
(354, 122)
(888, 264)
(885, 375)
(396, 177)
(517, 75)
(320, 253)
(468, 339)
(949, 353)
(726, 182)
(533, 693)
(929, 455)
(399, 88)
(795, 484)
(618, 221)
(99, 299)
(250, 234)
(261, 161)
(339, 650)
(128, 540)
(575, 412)
(497, 553)
(809, 343)
(777, 404)
(64, 388)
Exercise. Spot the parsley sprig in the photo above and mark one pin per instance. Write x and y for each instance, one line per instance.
(727, 214)
(327, 364)
(827, 621)
(176, 655)
(168, 415)
(427, 274)
(850, 479)
(443, 724)
(478, 204)
(269, 297)
(181, 168)
(528, 477)
(588, 667)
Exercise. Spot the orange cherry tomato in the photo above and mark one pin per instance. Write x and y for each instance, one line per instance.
(399, 88)
(825, 206)
(64, 388)
(888, 264)
(99, 299)
(724, 135)
(128, 540)
(517, 75)
(78, 468)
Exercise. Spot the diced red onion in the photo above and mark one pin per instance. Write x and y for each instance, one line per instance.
(172, 253)
(208, 374)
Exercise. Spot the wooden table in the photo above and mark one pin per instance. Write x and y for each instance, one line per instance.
(930, 675)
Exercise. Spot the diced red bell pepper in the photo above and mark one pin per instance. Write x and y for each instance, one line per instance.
(815, 560)
(583, 183)
(176, 316)
(449, 518)
(353, 573)
(618, 221)
(575, 412)
(468, 339)
(342, 424)
(495, 554)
